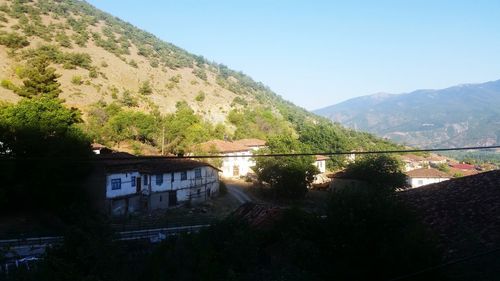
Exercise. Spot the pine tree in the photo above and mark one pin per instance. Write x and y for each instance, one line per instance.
(41, 80)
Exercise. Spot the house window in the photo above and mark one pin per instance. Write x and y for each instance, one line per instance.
(184, 176)
(145, 179)
(133, 180)
(420, 182)
(172, 178)
(197, 173)
(159, 179)
(116, 184)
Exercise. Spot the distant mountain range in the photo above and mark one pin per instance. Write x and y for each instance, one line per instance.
(463, 115)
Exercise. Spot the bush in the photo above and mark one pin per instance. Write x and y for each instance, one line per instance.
(7, 84)
(13, 40)
(104, 64)
(76, 80)
(93, 72)
(145, 88)
(133, 63)
(200, 97)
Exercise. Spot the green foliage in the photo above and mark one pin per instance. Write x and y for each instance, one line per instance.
(7, 84)
(93, 72)
(76, 80)
(381, 171)
(130, 125)
(145, 88)
(133, 63)
(128, 99)
(13, 40)
(42, 139)
(175, 79)
(63, 40)
(257, 123)
(54, 54)
(40, 79)
(200, 73)
(288, 177)
(443, 167)
(240, 101)
(200, 97)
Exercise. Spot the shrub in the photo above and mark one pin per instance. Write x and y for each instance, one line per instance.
(200, 97)
(133, 63)
(145, 88)
(7, 84)
(13, 40)
(93, 73)
(104, 64)
(154, 63)
(76, 80)
(200, 73)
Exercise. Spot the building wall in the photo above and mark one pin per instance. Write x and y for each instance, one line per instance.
(321, 165)
(127, 187)
(243, 164)
(156, 196)
(417, 182)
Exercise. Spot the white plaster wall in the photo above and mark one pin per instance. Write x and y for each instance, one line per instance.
(236, 159)
(126, 186)
(417, 182)
(321, 165)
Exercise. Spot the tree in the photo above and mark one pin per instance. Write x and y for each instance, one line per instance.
(380, 171)
(41, 80)
(288, 177)
(145, 88)
(42, 147)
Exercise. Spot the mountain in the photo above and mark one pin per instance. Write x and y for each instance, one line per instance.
(463, 115)
(140, 93)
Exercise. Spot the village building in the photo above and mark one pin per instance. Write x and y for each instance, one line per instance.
(237, 161)
(425, 176)
(121, 183)
(320, 163)
(151, 184)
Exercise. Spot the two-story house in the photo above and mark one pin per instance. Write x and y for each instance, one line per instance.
(237, 160)
(149, 184)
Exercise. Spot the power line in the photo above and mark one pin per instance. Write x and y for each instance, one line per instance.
(332, 153)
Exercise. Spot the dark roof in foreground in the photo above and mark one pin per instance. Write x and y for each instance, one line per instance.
(463, 212)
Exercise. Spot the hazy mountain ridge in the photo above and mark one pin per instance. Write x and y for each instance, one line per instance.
(463, 115)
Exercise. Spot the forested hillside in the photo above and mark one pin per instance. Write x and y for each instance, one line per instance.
(137, 92)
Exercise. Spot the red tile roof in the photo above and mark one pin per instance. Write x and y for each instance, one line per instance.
(427, 173)
(251, 142)
(222, 146)
(463, 166)
(321, 157)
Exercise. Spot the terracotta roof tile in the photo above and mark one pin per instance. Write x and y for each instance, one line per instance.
(251, 142)
(223, 146)
(427, 173)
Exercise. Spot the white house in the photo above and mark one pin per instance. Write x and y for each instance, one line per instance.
(149, 184)
(320, 163)
(238, 161)
(424, 176)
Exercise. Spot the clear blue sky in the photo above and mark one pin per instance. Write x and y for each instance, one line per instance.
(317, 53)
